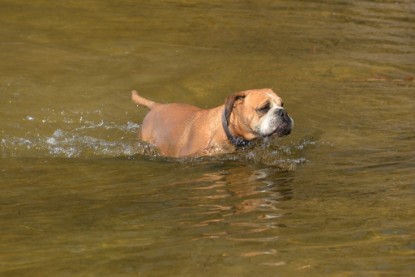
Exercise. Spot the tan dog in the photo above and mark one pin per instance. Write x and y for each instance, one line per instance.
(185, 130)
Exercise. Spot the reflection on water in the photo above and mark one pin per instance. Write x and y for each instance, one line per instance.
(82, 196)
(245, 208)
(141, 220)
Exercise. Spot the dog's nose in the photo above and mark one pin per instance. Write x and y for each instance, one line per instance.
(281, 112)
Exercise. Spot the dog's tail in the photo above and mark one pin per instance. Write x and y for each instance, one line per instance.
(139, 100)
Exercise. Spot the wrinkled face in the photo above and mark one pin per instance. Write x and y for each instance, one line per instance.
(261, 114)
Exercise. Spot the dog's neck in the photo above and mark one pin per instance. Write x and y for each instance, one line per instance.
(237, 141)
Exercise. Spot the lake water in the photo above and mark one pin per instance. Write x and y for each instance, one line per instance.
(81, 196)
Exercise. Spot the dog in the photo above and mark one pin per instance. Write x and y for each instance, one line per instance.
(181, 130)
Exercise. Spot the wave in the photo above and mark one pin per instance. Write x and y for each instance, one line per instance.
(77, 143)
(102, 139)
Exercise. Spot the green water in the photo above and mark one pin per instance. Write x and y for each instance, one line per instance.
(82, 197)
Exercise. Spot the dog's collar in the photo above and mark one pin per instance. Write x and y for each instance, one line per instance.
(237, 141)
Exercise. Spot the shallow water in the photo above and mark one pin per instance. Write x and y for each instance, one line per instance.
(81, 196)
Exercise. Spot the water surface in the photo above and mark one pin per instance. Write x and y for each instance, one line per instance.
(82, 196)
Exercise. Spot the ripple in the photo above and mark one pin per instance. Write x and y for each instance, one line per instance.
(75, 143)
(86, 134)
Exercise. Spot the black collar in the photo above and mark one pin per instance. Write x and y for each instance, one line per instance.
(237, 141)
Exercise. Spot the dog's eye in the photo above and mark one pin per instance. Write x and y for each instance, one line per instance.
(265, 108)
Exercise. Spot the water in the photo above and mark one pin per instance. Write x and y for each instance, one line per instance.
(82, 196)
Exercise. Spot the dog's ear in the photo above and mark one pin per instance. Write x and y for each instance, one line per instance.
(230, 103)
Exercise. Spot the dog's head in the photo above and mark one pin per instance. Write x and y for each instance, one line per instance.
(257, 113)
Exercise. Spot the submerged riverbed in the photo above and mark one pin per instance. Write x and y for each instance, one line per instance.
(82, 196)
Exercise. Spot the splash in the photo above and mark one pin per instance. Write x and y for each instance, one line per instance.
(86, 141)
(285, 155)
(83, 137)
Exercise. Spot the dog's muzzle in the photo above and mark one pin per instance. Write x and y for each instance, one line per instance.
(284, 123)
